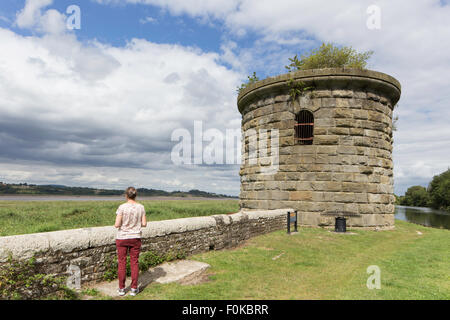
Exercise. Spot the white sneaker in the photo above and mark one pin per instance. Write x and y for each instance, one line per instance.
(121, 292)
(134, 292)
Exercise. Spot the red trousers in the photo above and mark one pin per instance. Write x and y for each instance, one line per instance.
(134, 247)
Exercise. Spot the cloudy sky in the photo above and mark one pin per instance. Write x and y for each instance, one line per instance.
(97, 106)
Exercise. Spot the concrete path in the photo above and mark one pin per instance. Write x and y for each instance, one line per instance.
(181, 271)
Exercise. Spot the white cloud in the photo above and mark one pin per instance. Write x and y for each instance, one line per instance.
(31, 17)
(118, 178)
(196, 8)
(94, 114)
(4, 19)
(148, 20)
(53, 22)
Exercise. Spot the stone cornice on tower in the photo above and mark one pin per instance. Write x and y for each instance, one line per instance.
(336, 78)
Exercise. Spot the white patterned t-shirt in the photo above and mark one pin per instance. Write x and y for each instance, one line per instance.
(131, 220)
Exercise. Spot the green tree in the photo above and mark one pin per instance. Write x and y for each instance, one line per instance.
(398, 199)
(251, 79)
(416, 196)
(439, 190)
(330, 56)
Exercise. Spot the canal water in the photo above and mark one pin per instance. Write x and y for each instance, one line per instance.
(424, 216)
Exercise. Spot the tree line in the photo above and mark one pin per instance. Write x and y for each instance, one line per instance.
(32, 189)
(436, 195)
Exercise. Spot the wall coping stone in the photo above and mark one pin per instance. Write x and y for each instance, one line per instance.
(25, 246)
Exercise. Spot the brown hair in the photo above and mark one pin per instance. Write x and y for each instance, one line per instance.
(131, 193)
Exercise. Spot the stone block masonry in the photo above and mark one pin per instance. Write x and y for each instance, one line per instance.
(348, 168)
(90, 248)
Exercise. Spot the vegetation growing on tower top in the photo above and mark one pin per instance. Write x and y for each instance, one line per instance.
(251, 79)
(326, 56)
(330, 56)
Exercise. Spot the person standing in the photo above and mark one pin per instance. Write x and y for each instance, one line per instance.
(130, 218)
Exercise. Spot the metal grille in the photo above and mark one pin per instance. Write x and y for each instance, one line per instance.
(304, 128)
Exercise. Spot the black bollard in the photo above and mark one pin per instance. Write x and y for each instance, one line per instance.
(340, 225)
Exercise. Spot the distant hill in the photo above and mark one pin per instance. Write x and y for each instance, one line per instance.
(32, 189)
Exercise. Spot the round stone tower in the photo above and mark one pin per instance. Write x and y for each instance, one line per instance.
(320, 141)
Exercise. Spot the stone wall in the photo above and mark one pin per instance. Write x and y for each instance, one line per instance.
(348, 170)
(90, 248)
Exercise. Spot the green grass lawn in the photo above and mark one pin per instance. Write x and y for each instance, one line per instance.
(312, 264)
(318, 264)
(21, 217)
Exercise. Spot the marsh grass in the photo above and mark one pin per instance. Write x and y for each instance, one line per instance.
(17, 217)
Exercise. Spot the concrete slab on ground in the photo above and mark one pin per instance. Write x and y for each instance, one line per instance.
(181, 271)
